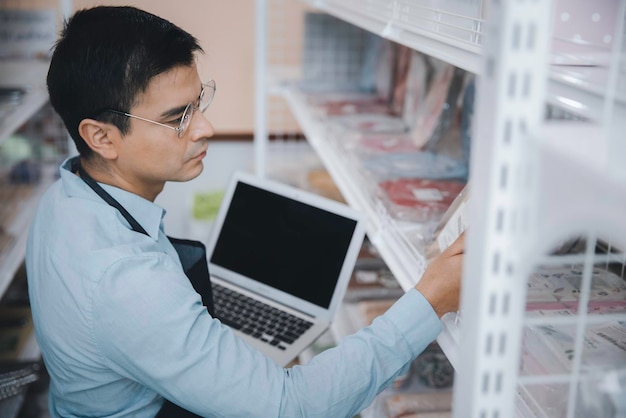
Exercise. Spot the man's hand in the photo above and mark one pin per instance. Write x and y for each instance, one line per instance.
(441, 282)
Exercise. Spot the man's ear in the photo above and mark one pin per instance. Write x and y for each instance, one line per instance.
(100, 137)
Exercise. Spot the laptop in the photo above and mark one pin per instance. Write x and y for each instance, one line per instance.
(278, 251)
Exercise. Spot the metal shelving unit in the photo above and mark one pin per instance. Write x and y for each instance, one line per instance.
(27, 71)
(29, 75)
(534, 183)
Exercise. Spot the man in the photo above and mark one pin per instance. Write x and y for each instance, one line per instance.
(120, 327)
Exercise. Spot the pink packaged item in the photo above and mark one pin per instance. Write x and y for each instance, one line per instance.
(419, 200)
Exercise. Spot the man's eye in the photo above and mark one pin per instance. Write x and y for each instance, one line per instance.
(176, 121)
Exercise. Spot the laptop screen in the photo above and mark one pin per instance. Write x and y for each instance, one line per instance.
(284, 243)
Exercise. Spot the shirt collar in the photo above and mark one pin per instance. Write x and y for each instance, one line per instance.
(147, 213)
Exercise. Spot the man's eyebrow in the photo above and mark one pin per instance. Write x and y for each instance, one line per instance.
(176, 111)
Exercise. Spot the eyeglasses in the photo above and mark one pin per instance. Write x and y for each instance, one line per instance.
(204, 100)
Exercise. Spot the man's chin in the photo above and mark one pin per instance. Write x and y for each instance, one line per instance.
(189, 174)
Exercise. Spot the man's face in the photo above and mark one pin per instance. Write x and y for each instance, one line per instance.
(150, 155)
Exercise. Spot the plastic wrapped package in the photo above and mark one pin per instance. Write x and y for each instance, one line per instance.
(550, 349)
(417, 234)
(418, 200)
(439, 112)
(420, 72)
(401, 70)
(370, 123)
(453, 222)
(346, 103)
(383, 69)
(544, 400)
(600, 396)
(551, 287)
(422, 165)
(371, 278)
(367, 145)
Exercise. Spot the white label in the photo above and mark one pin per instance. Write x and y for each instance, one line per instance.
(428, 194)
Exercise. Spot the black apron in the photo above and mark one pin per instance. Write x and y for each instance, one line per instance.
(192, 256)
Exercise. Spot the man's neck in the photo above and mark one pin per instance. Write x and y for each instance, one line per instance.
(104, 174)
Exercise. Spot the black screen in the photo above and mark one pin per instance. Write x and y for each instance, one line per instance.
(283, 243)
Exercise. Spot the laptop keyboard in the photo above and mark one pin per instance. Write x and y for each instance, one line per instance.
(257, 319)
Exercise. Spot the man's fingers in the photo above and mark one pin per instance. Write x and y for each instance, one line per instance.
(457, 247)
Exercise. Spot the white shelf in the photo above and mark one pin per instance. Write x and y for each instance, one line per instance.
(449, 36)
(578, 89)
(569, 180)
(583, 91)
(31, 76)
(577, 173)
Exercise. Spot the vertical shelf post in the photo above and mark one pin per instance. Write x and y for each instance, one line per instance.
(615, 114)
(260, 88)
(504, 175)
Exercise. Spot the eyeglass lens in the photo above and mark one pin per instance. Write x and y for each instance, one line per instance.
(205, 99)
(206, 96)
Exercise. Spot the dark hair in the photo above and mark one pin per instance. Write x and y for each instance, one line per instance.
(105, 57)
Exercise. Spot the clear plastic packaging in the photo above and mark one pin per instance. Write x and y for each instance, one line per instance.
(418, 200)
(421, 165)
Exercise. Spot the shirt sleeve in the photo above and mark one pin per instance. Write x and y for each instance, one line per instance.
(150, 327)
(342, 381)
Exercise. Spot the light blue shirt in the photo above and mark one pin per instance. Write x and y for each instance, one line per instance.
(120, 326)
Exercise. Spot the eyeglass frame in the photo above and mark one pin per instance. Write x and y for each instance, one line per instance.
(187, 113)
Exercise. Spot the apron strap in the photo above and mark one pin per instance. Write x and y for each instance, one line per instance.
(109, 199)
(170, 410)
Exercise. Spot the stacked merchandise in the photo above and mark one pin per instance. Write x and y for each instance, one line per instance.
(555, 291)
(425, 388)
(372, 282)
(554, 294)
(557, 288)
(402, 122)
